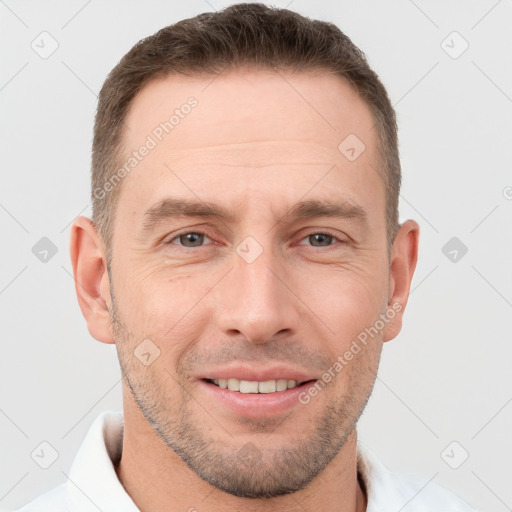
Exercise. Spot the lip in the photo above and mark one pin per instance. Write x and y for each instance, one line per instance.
(258, 374)
(254, 405)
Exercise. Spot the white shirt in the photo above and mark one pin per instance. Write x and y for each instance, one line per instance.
(93, 483)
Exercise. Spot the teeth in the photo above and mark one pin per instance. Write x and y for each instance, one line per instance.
(281, 384)
(233, 384)
(248, 386)
(269, 386)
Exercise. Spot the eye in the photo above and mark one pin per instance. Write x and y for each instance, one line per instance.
(190, 239)
(193, 239)
(321, 239)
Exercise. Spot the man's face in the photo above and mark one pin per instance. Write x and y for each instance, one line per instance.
(265, 294)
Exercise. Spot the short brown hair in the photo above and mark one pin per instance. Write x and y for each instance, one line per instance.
(241, 34)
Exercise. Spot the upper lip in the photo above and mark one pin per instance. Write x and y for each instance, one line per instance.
(252, 373)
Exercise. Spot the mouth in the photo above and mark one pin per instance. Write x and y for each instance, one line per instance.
(255, 399)
(257, 387)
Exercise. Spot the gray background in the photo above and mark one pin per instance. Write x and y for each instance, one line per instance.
(445, 378)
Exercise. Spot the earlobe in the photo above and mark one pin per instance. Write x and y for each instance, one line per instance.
(91, 278)
(404, 256)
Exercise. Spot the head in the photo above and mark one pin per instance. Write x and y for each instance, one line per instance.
(245, 184)
(212, 43)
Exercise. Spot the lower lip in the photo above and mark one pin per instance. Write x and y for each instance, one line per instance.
(256, 405)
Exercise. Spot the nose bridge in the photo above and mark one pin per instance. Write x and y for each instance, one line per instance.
(256, 302)
(257, 269)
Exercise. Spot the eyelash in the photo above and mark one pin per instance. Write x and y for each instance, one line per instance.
(205, 233)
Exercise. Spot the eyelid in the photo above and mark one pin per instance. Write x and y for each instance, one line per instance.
(202, 231)
(205, 232)
(323, 232)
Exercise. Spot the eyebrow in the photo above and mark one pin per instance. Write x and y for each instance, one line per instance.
(170, 208)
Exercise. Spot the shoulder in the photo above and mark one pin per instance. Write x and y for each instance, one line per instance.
(53, 500)
(408, 493)
(423, 495)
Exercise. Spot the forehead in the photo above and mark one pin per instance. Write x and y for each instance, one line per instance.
(249, 105)
(245, 129)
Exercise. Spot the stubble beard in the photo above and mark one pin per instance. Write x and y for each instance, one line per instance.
(246, 470)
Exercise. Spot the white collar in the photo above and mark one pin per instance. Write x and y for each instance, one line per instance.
(93, 483)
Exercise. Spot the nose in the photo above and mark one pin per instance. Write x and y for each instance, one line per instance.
(258, 300)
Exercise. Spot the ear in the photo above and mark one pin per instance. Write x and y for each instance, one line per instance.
(404, 255)
(92, 283)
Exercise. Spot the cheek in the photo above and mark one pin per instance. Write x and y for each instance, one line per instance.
(166, 308)
(347, 300)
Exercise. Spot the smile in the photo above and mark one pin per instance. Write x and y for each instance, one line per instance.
(248, 386)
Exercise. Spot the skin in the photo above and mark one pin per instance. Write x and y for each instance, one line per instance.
(256, 147)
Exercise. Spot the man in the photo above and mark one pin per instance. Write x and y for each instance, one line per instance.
(246, 259)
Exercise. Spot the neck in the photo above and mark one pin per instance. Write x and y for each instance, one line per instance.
(158, 479)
